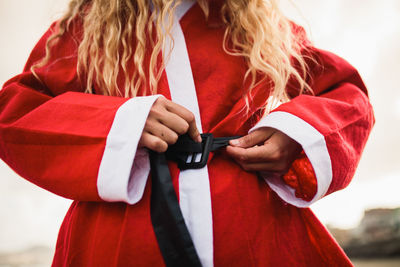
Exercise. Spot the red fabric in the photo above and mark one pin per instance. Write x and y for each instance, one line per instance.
(341, 113)
(301, 177)
(51, 133)
(55, 138)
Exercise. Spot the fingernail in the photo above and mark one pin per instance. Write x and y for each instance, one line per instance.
(234, 142)
(198, 139)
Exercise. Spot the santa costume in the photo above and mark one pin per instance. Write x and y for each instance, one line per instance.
(85, 147)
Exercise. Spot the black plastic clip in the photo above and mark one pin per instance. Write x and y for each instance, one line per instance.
(197, 160)
(190, 154)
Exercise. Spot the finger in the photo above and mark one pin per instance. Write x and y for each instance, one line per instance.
(188, 117)
(161, 131)
(194, 132)
(255, 154)
(286, 149)
(174, 122)
(256, 137)
(286, 142)
(160, 114)
(269, 167)
(265, 167)
(152, 142)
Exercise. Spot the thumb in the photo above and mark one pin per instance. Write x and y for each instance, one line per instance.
(254, 138)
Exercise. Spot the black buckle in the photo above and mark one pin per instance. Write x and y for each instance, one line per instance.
(190, 154)
(191, 159)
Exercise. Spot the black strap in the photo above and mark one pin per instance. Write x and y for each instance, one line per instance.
(172, 235)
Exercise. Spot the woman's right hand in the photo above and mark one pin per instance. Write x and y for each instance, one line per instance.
(165, 122)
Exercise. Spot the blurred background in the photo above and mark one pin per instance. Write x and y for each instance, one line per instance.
(364, 32)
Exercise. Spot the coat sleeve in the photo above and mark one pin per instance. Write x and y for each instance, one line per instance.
(332, 125)
(77, 145)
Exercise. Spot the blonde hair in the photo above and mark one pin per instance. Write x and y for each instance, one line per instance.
(254, 29)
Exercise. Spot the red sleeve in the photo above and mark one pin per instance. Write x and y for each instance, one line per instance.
(332, 126)
(54, 135)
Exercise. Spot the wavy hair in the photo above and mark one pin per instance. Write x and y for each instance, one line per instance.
(117, 33)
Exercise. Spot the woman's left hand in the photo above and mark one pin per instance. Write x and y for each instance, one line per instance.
(264, 150)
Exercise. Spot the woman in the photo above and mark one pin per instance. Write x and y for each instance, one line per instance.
(113, 80)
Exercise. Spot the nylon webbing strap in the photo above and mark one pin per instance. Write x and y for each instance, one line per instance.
(172, 235)
(169, 226)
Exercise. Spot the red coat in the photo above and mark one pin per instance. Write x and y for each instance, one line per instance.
(84, 147)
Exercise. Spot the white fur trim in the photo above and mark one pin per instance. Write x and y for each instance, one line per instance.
(194, 185)
(117, 179)
(314, 145)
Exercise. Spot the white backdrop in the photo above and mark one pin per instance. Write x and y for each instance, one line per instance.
(365, 32)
